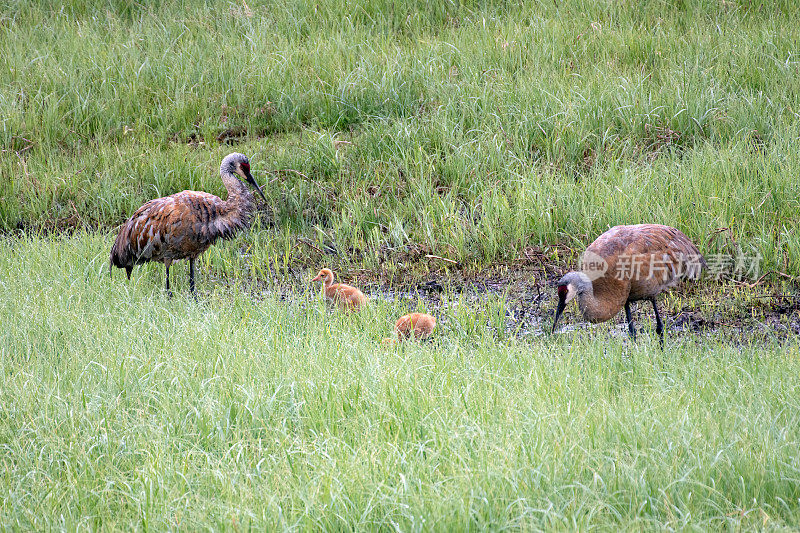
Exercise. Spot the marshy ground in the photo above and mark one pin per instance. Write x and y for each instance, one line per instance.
(519, 300)
(518, 297)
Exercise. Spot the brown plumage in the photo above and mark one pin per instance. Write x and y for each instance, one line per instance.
(414, 325)
(186, 224)
(627, 264)
(347, 297)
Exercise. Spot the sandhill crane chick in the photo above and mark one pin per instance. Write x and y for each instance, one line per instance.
(347, 297)
(628, 264)
(415, 326)
(186, 224)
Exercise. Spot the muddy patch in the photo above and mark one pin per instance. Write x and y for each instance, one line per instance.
(519, 300)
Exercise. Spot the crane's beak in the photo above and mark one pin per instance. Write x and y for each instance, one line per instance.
(252, 181)
(562, 303)
(315, 279)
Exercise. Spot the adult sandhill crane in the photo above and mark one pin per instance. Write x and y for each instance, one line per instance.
(186, 224)
(347, 297)
(628, 264)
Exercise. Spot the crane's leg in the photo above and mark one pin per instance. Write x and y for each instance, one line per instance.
(659, 325)
(191, 277)
(631, 329)
(166, 264)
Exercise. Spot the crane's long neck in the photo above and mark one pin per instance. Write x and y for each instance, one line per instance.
(591, 307)
(239, 204)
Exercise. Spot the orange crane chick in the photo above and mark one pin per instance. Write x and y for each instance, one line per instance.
(347, 297)
(414, 325)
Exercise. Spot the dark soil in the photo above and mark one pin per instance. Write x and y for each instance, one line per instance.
(524, 290)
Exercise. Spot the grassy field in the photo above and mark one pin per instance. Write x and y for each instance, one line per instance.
(479, 132)
(121, 409)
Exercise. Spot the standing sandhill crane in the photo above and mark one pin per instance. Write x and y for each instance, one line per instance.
(415, 326)
(627, 264)
(186, 224)
(347, 297)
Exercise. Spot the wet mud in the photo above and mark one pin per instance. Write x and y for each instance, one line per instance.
(519, 300)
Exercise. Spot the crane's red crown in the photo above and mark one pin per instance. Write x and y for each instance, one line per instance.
(246, 167)
(562, 291)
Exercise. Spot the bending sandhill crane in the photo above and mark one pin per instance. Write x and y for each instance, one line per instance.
(628, 264)
(186, 224)
(414, 325)
(347, 297)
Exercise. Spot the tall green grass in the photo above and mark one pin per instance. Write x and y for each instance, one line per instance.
(476, 128)
(122, 409)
